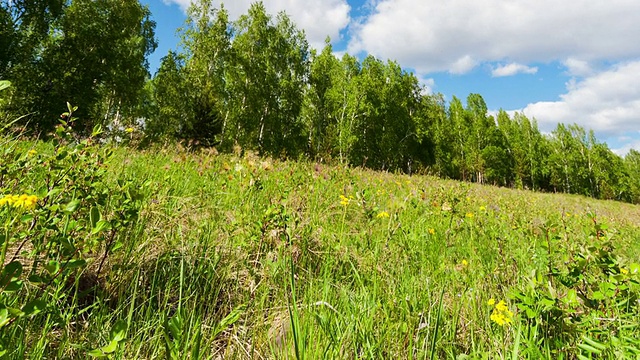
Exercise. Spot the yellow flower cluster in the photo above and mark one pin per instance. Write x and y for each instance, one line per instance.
(382, 214)
(20, 201)
(345, 200)
(501, 314)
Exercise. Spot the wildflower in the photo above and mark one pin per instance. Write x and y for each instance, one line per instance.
(382, 214)
(502, 306)
(129, 130)
(432, 231)
(32, 152)
(6, 200)
(624, 271)
(501, 314)
(20, 201)
(469, 215)
(344, 200)
(482, 208)
(462, 266)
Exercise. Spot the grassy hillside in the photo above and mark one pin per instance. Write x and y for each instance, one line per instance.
(230, 256)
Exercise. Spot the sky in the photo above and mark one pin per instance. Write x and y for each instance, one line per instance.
(569, 61)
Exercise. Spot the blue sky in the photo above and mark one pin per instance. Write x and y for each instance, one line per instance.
(570, 61)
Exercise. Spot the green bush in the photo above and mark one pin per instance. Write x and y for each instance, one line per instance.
(60, 222)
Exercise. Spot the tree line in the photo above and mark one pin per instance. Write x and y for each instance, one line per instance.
(255, 83)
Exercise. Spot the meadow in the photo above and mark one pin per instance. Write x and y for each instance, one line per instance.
(178, 253)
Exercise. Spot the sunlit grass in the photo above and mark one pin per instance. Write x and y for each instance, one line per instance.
(246, 257)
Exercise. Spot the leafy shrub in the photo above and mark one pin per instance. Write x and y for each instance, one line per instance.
(60, 220)
(587, 302)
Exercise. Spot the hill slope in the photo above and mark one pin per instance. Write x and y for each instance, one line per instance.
(376, 258)
(247, 257)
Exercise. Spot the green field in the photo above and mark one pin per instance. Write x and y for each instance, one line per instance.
(169, 253)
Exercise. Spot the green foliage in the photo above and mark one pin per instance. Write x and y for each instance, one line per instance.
(632, 165)
(267, 83)
(253, 85)
(588, 298)
(171, 99)
(66, 224)
(88, 52)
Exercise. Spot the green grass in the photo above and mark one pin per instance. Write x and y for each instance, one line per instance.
(244, 257)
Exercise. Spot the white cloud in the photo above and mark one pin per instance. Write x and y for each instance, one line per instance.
(607, 102)
(436, 35)
(628, 145)
(513, 69)
(427, 84)
(318, 18)
(577, 67)
(463, 65)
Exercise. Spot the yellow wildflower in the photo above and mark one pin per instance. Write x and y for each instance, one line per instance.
(501, 314)
(5, 200)
(624, 271)
(432, 231)
(502, 306)
(382, 214)
(20, 201)
(491, 302)
(129, 130)
(469, 215)
(500, 318)
(482, 208)
(32, 152)
(344, 200)
(465, 263)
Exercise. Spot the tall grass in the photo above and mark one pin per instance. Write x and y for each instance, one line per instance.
(240, 257)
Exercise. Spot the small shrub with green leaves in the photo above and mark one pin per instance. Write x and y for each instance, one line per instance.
(60, 220)
(587, 302)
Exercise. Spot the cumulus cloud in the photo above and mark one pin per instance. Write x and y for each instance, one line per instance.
(463, 65)
(513, 69)
(445, 35)
(318, 18)
(627, 145)
(607, 102)
(577, 67)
